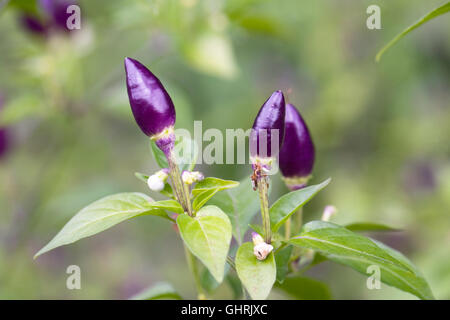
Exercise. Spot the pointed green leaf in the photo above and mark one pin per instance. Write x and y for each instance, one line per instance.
(288, 204)
(169, 205)
(257, 276)
(208, 237)
(161, 290)
(346, 247)
(158, 155)
(207, 188)
(235, 285)
(141, 176)
(102, 215)
(240, 204)
(430, 15)
(369, 226)
(282, 258)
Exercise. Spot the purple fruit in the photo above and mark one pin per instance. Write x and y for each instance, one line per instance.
(297, 153)
(270, 117)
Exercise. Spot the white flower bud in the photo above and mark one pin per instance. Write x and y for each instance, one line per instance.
(328, 212)
(157, 181)
(192, 177)
(256, 238)
(262, 250)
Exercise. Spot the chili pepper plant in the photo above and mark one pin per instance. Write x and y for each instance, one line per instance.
(209, 212)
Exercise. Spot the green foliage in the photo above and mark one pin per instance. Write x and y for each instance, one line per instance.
(240, 204)
(256, 276)
(343, 246)
(288, 204)
(207, 188)
(208, 237)
(169, 205)
(282, 257)
(102, 215)
(369, 227)
(430, 15)
(161, 290)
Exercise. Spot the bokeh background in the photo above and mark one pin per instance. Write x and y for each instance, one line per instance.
(381, 130)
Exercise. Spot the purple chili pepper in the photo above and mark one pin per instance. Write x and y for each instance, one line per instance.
(4, 141)
(152, 106)
(56, 10)
(297, 153)
(270, 117)
(33, 24)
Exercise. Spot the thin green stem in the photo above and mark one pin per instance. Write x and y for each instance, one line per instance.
(231, 263)
(287, 230)
(263, 187)
(180, 191)
(299, 219)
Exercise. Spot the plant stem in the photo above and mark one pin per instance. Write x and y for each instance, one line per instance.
(231, 263)
(287, 230)
(263, 186)
(192, 263)
(299, 219)
(180, 191)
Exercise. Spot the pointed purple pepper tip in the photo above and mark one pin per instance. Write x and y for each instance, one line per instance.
(270, 117)
(297, 153)
(152, 106)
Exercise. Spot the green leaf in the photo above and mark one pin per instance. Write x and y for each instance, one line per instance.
(141, 176)
(161, 290)
(257, 276)
(288, 204)
(20, 108)
(102, 215)
(346, 247)
(170, 205)
(430, 15)
(240, 204)
(208, 187)
(235, 286)
(302, 288)
(282, 258)
(208, 282)
(208, 237)
(159, 156)
(185, 151)
(368, 226)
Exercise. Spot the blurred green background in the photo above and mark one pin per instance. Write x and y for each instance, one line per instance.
(381, 130)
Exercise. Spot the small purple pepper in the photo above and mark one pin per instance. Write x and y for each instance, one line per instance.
(33, 24)
(270, 117)
(4, 140)
(4, 143)
(56, 10)
(297, 153)
(152, 106)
